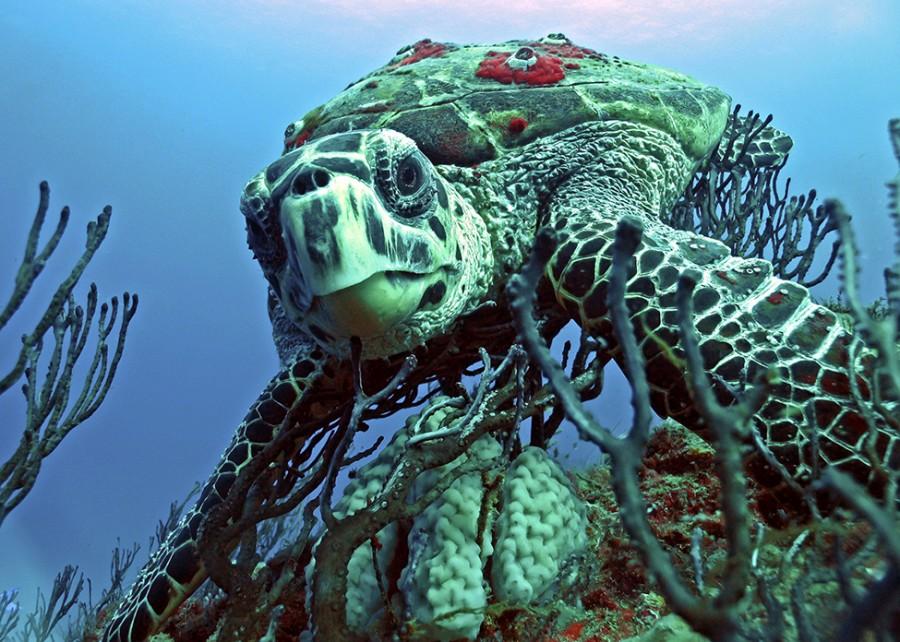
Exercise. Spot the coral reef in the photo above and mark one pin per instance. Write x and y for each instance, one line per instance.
(461, 529)
(674, 525)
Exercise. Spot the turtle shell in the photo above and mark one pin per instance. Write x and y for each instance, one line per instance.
(465, 104)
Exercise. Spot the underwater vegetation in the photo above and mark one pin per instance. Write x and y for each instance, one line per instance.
(55, 404)
(763, 508)
(49, 414)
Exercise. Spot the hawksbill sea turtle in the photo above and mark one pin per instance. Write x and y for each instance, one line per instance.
(400, 209)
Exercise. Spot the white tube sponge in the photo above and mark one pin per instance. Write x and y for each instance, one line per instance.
(542, 523)
(443, 583)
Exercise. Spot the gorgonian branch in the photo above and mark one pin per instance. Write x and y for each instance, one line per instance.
(9, 612)
(749, 209)
(49, 611)
(49, 415)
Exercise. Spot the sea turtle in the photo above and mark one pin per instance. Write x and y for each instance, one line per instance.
(400, 208)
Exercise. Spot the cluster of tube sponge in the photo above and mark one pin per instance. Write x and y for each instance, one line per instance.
(539, 524)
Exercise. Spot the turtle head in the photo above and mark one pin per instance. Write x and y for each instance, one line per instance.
(360, 236)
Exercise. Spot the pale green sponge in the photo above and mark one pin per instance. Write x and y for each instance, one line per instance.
(541, 525)
(443, 584)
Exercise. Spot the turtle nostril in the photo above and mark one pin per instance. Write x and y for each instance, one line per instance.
(308, 180)
(320, 178)
(302, 184)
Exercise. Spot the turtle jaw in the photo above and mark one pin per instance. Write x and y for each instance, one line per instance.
(375, 305)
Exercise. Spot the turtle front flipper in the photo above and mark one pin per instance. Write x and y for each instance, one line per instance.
(746, 319)
(175, 571)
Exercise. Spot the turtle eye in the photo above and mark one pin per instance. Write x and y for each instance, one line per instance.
(255, 233)
(410, 175)
(263, 229)
(406, 182)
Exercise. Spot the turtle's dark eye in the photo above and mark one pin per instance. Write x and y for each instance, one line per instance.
(263, 229)
(406, 182)
(410, 175)
(255, 233)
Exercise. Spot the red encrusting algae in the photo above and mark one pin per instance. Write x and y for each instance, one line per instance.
(546, 70)
(423, 49)
(301, 138)
(573, 631)
(568, 50)
(725, 277)
(517, 125)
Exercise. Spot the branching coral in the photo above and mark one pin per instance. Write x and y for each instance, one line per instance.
(49, 612)
(49, 415)
(9, 612)
(51, 412)
(747, 206)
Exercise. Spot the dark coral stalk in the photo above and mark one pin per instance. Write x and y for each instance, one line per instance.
(50, 415)
(751, 210)
(49, 611)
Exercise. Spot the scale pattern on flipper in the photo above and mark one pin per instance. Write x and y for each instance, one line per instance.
(746, 319)
(175, 570)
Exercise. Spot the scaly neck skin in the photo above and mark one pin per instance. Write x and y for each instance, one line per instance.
(508, 210)
(631, 168)
(641, 170)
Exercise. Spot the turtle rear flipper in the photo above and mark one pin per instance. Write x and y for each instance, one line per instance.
(749, 142)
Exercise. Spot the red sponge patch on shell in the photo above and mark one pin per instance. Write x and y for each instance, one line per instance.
(546, 70)
(568, 50)
(301, 138)
(517, 125)
(423, 49)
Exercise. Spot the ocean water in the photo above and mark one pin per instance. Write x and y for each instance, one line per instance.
(164, 110)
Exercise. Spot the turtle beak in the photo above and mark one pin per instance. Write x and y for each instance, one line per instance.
(381, 302)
